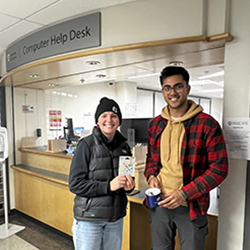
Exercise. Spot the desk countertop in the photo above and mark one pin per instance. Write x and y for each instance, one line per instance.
(43, 150)
(42, 173)
(137, 197)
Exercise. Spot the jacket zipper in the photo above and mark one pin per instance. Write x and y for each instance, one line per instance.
(112, 164)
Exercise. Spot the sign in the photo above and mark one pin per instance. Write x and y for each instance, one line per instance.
(55, 120)
(130, 109)
(77, 34)
(237, 136)
(126, 165)
(28, 109)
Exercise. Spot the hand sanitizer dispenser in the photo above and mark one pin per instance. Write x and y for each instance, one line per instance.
(3, 144)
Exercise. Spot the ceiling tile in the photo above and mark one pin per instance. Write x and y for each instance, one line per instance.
(7, 21)
(67, 9)
(23, 8)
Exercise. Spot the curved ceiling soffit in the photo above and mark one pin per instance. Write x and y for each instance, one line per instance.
(202, 42)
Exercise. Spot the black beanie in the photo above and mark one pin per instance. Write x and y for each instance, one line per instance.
(108, 105)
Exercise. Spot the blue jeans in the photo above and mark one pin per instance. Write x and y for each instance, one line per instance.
(97, 235)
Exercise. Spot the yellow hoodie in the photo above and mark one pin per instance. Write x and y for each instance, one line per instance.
(171, 176)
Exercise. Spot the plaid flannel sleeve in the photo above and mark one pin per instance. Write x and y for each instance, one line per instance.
(217, 166)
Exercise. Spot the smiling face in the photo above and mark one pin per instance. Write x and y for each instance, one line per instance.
(108, 123)
(176, 98)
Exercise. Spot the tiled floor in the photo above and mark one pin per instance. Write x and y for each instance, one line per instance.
(15, 242)
(35, 236)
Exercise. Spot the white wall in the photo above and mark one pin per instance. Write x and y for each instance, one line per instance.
(217, 109)
(127, 98)
(159, 103)
(236, 104)
(144, 104)
(27, 123)
(217, 17)
(150, 20)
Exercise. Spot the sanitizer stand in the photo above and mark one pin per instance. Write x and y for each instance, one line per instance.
(6, 229)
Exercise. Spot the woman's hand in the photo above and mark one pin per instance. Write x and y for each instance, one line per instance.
(130, 183)
(122, 181)
(118, 182)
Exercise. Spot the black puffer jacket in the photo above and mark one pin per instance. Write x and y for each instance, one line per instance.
(94, 165)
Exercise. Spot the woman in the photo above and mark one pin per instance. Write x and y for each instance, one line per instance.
(100, 202)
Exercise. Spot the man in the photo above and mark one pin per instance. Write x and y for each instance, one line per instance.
(186, 159)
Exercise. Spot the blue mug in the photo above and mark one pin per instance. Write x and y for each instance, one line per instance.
(153, 196)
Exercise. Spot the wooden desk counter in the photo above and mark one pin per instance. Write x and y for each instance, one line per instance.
(42, 150)
(41, 191)
(41, 187)
(39, 157)
(44, 195)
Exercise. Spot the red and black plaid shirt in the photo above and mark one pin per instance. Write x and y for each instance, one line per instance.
(203, 158)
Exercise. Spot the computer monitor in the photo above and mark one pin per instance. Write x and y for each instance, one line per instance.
(135, 130)
(69, 131)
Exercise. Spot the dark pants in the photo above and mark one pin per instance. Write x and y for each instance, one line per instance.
(164, 223)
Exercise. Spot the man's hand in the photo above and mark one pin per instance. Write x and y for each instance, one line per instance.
(171, 200)
(153, 183)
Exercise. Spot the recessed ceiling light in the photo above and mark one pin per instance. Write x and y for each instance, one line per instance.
(176, 63)
(93, 62)
(34, 76)
(101, 76)
(53, 84)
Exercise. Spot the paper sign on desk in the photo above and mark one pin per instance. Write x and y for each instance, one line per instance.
(127, 165)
